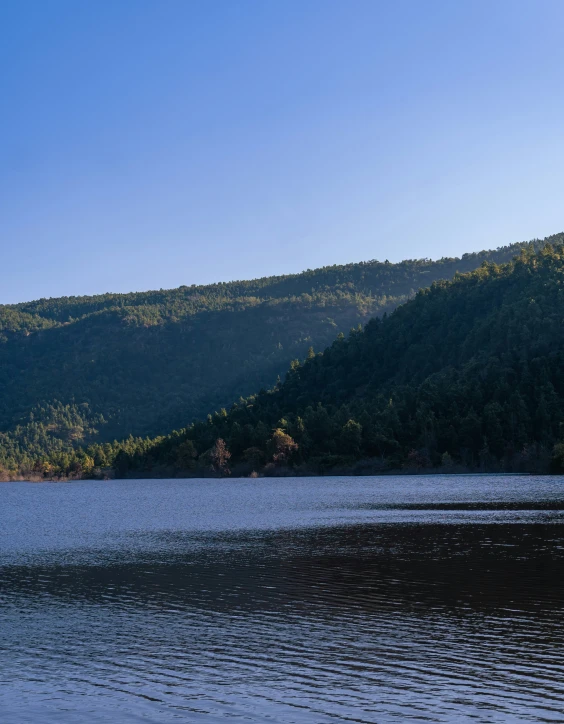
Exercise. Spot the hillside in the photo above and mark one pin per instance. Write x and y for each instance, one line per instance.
(468, 373)
(79, 370)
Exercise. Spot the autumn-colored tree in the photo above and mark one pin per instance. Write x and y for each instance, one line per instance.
(282, 446)
(219, 457)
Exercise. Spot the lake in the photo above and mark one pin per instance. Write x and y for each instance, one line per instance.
(352, 599)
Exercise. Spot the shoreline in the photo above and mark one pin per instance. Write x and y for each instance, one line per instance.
(394, 474)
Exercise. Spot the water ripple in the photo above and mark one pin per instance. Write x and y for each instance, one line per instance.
(431, 608)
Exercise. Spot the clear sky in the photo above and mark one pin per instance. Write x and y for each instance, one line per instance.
(154, 143)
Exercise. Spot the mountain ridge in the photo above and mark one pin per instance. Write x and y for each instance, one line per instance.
(138, 371)
(468, 373)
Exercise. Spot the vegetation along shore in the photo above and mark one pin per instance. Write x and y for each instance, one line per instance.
(465, 374)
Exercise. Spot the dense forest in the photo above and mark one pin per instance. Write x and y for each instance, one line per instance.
(80, 370)
(469, 374)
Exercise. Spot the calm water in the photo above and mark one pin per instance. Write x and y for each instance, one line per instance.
(420, 599)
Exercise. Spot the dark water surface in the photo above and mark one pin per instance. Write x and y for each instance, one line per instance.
(415, 599)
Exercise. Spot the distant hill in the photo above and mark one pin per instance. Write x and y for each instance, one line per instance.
(469, 374)
(79, 370)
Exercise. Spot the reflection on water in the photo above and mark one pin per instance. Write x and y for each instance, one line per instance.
(320, 600)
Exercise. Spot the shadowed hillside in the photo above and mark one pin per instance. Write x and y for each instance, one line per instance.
(467, 373)
(145, 363)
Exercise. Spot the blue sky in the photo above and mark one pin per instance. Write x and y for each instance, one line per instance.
(148, 144)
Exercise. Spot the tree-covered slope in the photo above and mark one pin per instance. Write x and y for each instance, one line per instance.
(145, 363)
(469, 372)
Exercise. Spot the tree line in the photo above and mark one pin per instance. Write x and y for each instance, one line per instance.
(467, 375)
(151, 362)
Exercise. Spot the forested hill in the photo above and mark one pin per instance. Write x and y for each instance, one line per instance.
(83, 369)
(470, 372)
(372, 279)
